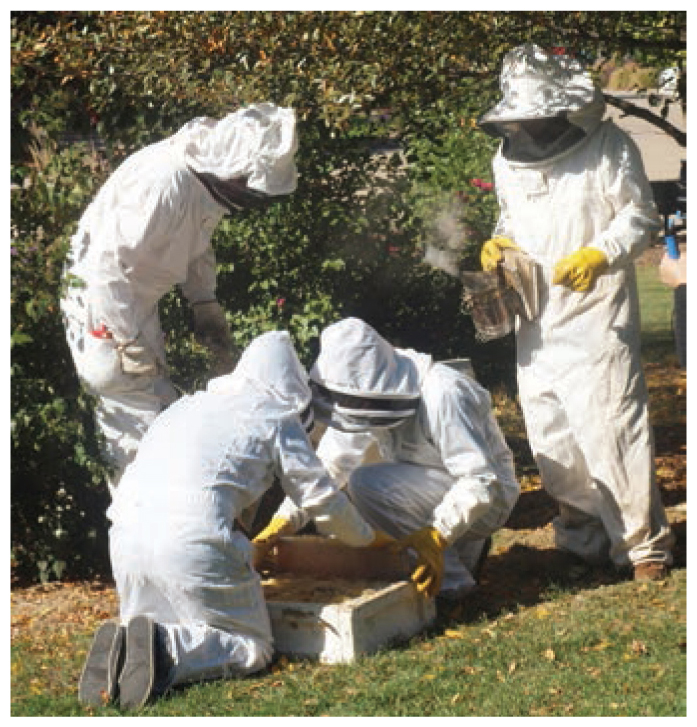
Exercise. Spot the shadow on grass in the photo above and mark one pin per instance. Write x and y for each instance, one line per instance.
(534, 510)
(540, 572)
(658, 347)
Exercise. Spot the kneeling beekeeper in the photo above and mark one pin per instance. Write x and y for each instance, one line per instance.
(447, 481)
(148, 229)
(191, 603)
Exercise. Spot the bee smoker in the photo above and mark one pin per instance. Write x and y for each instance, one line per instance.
(495, 298)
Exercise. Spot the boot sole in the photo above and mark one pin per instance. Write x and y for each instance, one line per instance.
(99, 679)
(138, 674)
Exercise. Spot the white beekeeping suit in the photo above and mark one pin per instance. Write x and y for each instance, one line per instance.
(573, 194)
(446, 464)
(176, 553)
(148, 229)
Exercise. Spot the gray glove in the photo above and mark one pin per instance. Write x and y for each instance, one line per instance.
(212, 331)
(210, 326)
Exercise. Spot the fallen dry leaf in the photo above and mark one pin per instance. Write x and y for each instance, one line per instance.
(639, 647)
(471, 669)
(601, 646)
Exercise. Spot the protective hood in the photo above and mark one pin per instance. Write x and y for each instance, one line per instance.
(270, 368)
(258, 142)
(354, 359)
(536, 85)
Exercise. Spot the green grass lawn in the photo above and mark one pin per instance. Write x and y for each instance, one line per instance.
(582, 649)
(610, 651)
(656, 305)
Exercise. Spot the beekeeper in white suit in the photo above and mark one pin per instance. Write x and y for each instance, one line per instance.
(574, 196)
(191, 603)
(148, 229)
(447, 480)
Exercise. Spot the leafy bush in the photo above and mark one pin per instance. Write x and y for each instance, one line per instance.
(58, 493)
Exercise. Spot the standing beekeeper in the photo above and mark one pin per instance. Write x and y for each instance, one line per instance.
(148, 229)
(447, 480)
(191, 603)
(574, 196)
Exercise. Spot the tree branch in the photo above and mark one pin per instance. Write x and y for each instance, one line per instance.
(634, 110)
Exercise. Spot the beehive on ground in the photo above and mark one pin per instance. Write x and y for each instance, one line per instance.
(332, 603)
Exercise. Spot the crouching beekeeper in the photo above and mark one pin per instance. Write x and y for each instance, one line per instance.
(573, 195)
(446, 481)
(148, 229)
(191, 602)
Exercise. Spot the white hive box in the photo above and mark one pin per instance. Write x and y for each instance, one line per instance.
(338, 632)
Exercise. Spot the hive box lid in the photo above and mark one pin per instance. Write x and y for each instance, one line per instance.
(326, 558)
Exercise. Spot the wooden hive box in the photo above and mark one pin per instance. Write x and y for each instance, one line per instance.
(341, 602)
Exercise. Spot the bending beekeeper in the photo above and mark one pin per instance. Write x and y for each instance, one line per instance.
(574, 196)
(191, 602)
(148, 229)
(447, 480)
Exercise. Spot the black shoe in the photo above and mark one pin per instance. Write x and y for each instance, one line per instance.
(486, 547)
(99, 679)
(138, 674)
(164, 664)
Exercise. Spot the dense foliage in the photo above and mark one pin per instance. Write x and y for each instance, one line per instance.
(386, 103)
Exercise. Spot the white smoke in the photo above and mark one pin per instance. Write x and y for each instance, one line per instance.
(447, 239)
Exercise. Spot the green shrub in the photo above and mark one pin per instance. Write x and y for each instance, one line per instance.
(58, 494)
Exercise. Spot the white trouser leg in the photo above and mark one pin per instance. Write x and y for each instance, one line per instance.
(126, 403)
(123, 417)
(579, 527)
(600, 470)
(401, 498)
(205, 595)
(201, 652)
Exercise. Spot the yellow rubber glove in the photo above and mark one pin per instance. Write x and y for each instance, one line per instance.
(581, 269)
(274, 530)
(264, 543)
(492, 251)
(382, 540)
(429, 545)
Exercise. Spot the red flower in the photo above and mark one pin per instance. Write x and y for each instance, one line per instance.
(481, 184)
(280, 302)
